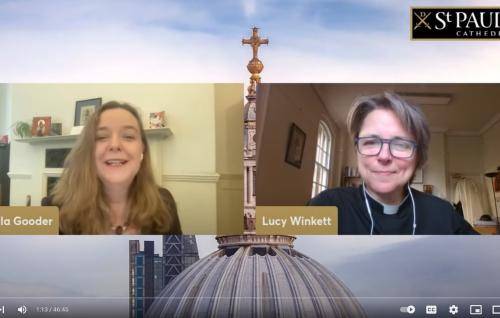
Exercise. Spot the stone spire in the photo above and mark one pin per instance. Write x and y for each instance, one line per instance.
(255, 67)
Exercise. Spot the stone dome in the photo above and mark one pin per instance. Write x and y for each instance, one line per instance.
(256, 276)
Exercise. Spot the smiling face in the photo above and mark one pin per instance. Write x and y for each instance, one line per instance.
(118, 148)
(384, 175)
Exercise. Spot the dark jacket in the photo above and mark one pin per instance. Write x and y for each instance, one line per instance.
(433, 215)
(167, 199)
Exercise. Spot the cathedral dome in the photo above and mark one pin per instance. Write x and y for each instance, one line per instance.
(256, 276)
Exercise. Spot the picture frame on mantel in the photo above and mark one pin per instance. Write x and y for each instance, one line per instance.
(41, 126)
(84, 109)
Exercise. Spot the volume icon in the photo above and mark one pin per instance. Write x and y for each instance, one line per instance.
(22, 309)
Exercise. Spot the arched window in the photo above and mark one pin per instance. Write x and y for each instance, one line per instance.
(322, 164)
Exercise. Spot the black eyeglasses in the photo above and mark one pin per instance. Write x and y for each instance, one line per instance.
(398, 147)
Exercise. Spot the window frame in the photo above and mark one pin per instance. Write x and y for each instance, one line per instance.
(322, 159)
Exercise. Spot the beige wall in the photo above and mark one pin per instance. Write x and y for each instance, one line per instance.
(229, 157)
(434, 172)
(279, 183)
(466, 156)
(350, 158)
(491, 155)
(193, 158)
(343, 155)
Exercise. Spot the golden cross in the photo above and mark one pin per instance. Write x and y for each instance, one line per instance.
(255, 41)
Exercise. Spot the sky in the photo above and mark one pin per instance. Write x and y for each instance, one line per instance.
(90, 273)
(185, 41)
(97, 266)
(85, 272)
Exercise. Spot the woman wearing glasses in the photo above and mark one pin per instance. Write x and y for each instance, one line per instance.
(391, 139)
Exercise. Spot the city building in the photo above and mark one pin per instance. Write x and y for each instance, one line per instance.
(143, 277)
(179, 252)
(149, 273)
(159, 280)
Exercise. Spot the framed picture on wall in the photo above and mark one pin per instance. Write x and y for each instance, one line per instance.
(157, 120)
(84, 109)
(295, 146)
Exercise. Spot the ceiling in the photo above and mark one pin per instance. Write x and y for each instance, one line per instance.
(472, 109)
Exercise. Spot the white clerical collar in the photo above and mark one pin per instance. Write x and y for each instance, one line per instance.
(389, 209)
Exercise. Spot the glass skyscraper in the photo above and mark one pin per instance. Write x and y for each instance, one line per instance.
(149, 273)
(179, 252)
(143, 278)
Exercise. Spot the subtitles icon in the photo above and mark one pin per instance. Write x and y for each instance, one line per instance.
(476, 309)
(495, 309)
(453, 309)
(22, 309)
(408, 309)
(431, 309)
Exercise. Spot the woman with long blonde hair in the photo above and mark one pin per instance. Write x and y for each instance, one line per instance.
(107, 186)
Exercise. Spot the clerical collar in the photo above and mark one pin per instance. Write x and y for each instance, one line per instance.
(389, 209)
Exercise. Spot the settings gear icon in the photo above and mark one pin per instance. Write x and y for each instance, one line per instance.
(453, 309)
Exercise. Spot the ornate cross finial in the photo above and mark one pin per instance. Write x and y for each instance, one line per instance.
(255, 66)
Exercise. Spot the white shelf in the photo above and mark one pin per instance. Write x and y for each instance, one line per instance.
(161, 133)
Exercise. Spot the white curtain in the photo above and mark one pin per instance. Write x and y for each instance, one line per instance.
(467, 192)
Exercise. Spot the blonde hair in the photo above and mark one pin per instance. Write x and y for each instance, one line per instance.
(80, 196)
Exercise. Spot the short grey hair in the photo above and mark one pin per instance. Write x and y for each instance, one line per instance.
(411, 117)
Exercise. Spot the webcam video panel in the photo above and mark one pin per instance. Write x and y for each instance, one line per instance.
(392, 158)
(121, 158)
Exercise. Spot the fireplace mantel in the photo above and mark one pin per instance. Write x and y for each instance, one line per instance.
(161, 133)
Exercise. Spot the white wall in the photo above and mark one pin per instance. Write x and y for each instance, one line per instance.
(189, 168)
